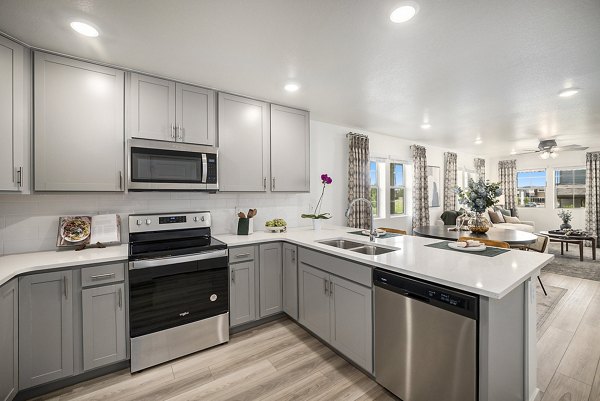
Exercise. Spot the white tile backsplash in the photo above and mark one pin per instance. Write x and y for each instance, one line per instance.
(29, 223)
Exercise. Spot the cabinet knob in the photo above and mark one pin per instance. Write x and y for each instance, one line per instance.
(138, 222)
(148, 222)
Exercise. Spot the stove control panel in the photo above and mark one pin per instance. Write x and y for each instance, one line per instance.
(170, 221)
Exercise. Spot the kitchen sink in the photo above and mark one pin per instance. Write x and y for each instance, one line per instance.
(359, 247)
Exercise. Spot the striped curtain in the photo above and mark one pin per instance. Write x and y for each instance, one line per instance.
(507, 172)
(479, 167)
(358, 180)
(592, 193)
(420, 191)
(449, 181)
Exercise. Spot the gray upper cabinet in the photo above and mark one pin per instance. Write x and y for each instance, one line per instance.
(271, 280)
(104, 333)
(79, 125)
(169, 111)
(314, 300)
(196, 118)
(11, 115)
(351, 321)
(244, 128)
(45, 327)
(242, 293)
(290, 149)
(152, 108)
(290, 280)
(9, 340)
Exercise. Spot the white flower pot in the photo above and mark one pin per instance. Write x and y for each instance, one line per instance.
(316, 224)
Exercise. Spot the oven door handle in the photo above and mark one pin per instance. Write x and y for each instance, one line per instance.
(144, 264)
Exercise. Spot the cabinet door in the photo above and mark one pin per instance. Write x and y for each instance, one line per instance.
(79, 125)
(290, 149)
(243, 144)
(45, 327)
(290, 280)
(9, 340)
(313, 300)
(271, 280)
(152, 108)
(196, 116)
(11, 115)
(351, 321)
(104, 334)
(242, 293)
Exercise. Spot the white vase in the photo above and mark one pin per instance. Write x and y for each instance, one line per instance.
(316, 224)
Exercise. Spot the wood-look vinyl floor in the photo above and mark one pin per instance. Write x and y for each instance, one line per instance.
(280, 361)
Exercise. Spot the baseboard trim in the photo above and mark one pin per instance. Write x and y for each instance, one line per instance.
(256, 323)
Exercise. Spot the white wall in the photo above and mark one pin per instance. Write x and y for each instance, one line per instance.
(545, 218)
(329, 154)
(29, 222)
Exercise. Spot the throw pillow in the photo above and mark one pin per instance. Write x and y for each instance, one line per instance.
(494, 217)
(513, 220)
(500, 216)
(505, 212)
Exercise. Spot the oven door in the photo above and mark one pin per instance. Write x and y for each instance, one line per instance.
(158, 165)
(170, 292)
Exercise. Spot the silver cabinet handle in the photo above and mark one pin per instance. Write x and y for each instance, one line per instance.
(173, 131)
(120, 298)
(330, 288)
(273, 182)
(20, 177)
(233, 276)
(120, 180)
(265, 183)
(180, 132)
(102, 276)
(242, 255)
(293, 255)
(325, 287)
(65, 287)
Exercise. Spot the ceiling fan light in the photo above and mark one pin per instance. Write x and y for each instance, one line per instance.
(545, 155)
(554, 155)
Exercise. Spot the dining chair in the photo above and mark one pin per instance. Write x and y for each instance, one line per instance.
(540, 245)
(490, 242)
(393, 230)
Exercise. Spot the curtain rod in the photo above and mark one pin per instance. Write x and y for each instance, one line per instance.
(355, 134)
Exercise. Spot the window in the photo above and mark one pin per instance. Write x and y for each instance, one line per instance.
(397, 203)
(569, 186)
(531, 188)
(374, 180)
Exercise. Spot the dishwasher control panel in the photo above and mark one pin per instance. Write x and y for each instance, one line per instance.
(452, 300)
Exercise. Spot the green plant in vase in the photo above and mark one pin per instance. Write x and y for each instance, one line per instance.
(477, 197)
(566, 216)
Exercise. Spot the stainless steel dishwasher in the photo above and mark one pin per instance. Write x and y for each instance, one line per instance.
(425, 339)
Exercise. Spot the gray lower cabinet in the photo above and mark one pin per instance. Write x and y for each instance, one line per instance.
(271, 280)
(339, 311)
(78, 112)
(9, 340)
(45, 327)
(290, 280)
(242, 295)
(104, 335)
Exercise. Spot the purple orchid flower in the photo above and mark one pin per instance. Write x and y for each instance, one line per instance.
(325, 179)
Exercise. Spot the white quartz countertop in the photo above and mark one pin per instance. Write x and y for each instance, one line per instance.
(14, 265)
(492, 277)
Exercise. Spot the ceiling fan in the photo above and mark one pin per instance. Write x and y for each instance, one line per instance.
(548, 148)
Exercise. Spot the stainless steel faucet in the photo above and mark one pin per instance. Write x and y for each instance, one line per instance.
(372, 231)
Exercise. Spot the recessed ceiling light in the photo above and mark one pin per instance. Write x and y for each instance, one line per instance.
(84, 29)
(291, 87)
(513, 152)
(405, 12)
(478, 141)
(425, 126)
(568, 92)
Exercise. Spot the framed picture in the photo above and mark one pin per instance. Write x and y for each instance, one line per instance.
(434, 185)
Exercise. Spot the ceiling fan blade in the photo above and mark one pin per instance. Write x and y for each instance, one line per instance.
(527, 152)
(571, 148)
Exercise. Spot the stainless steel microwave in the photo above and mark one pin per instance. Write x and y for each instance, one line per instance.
(170, 166)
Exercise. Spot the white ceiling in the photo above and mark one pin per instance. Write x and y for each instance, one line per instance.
(477, 68)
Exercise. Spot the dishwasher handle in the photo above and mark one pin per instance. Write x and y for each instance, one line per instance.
(414, 296)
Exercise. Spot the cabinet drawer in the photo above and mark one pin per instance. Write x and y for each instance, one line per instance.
(102, 274)
(358, 273)
(241, 254)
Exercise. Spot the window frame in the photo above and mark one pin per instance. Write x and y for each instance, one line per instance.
(376, 187)
(556, 186)
(391, 187)
(545, 171)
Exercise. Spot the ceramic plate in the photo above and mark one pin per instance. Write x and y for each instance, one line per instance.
(276, 229)
(468, 249)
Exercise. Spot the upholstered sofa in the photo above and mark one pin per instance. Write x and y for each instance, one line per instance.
(449, 218)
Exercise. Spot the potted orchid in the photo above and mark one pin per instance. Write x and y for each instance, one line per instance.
(317, 216)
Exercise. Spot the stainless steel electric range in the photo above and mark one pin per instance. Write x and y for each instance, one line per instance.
(178, 287)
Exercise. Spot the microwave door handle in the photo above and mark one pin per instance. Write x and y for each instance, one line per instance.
(204, 168)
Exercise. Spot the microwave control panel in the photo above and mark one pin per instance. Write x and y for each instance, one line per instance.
(211, 169)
